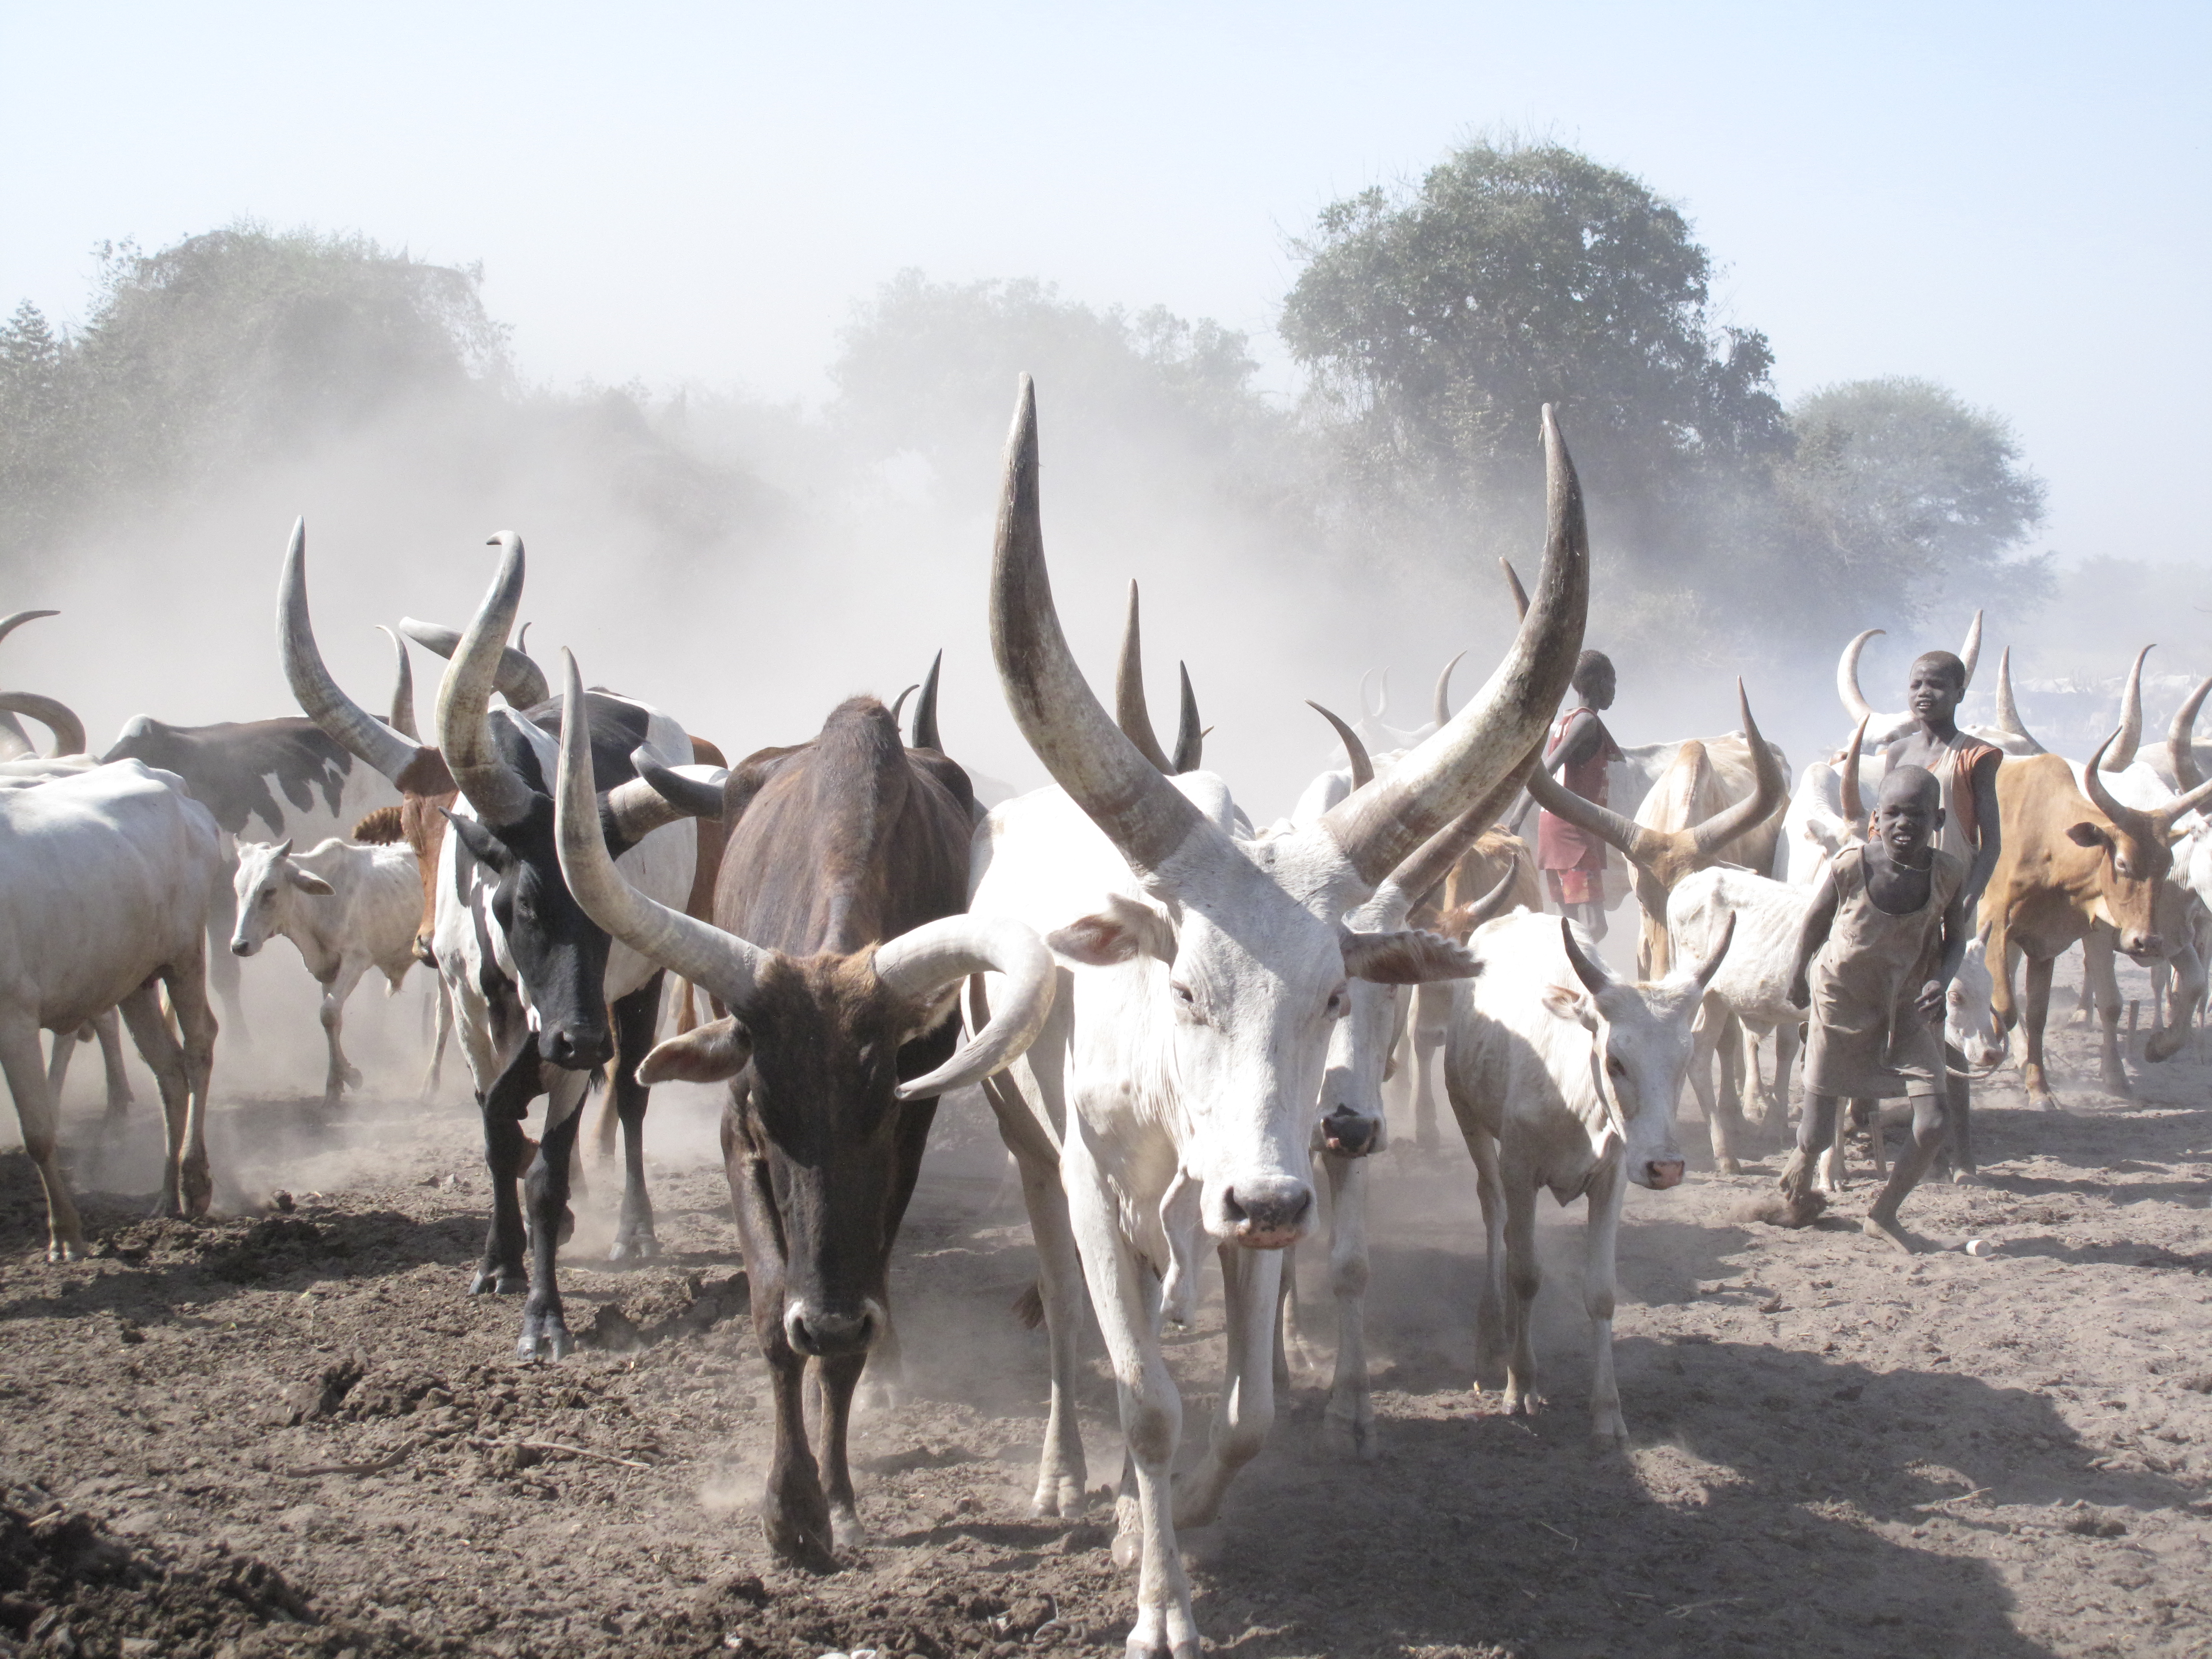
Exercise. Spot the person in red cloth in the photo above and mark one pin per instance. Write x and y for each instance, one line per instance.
(1573, 862)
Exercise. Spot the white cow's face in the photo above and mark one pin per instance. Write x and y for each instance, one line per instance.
(1969, 1025)
(1639, 1051)
(266, 884)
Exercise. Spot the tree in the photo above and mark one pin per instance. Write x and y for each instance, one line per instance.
(1900, 493)
(1437, 326)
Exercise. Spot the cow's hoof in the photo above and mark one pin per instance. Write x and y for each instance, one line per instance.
(1608, 1433)
(499, 1281)
(847, 1535)
(551, 1340)
(1059, 1496)
(1349, 1435)
(1522, 1402)
(1730, 1165)
(65, 1249)
(1966, 1177)
(802, 1546)
(637, 1246)
(1127, 1544)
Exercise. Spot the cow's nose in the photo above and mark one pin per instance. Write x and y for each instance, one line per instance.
(1661, 1173)
(423, 953)
(2142, 945)
(239, 947)
(826, 1333)
(575, 1048)
(1349, 1133)
(1268, 1214)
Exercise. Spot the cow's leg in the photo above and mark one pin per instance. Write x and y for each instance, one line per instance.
(507, 1149)
(2035, 1007)
(1600, 1234)
(1246, 1407)
(24, 1065)
(2099, 953)
(222, 970)
(2186, 997)
(1126, 1295)
(1927, 1136)
(108, 1028)
(1788, 1037)
(839, 1377)
(1431, 1009)
(1706, 1033)
(1958, 1109)
(442, 1013)
(341, 1075)
(1523, 1276)
(636, 1016)
(1348, 1424)
(1490, 1301)
(1834, 1171)
(164, 1056)
(1729, 1052)
(187, 985)
(545, 1328)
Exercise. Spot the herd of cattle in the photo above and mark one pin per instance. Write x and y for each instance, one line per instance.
(1183, 1025)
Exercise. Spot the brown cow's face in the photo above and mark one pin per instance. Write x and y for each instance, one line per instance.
(2135, 869)
(422, 827)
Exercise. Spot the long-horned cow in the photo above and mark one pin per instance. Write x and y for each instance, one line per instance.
(837, 952)
(1172, 1097)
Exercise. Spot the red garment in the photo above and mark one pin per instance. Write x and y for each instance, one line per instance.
(1559, 845)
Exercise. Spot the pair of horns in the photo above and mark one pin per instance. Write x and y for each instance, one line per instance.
(918, 965)
(1648, 848)
(1135, 718)
(925, 711)
(1847, 667)
(56, 716)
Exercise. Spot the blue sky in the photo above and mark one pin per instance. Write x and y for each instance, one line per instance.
(2011, 199)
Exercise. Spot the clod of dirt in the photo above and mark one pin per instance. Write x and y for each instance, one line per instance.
(281, 1201)
(1780, 1209)
(2096, 1526)
(667, 1308)
(320, 1395)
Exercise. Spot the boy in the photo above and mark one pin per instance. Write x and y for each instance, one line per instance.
(1966, 771)
(1580, 749)
(1875, 956)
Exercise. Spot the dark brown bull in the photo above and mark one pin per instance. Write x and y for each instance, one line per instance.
(835, 952)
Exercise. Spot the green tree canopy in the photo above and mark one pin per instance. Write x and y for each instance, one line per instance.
(1900, 493)
(1517, 275)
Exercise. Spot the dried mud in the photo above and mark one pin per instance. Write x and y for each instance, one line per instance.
(293, 1433)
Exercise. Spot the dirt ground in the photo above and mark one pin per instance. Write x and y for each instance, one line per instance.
(293, 1433)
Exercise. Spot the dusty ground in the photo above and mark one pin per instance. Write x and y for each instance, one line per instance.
(292, 1432)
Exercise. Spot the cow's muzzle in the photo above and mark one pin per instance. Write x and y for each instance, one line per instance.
(1268, 1212)
(243, 947)
(1661, 1173)
(576, 1047)
(1349, 1133)
(825, 1332)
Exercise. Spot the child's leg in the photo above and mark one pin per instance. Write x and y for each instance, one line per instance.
(1929, 1129)
(1816, 1127)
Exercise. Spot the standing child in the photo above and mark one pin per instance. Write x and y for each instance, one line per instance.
(1875, 959)
(1965, 770)
(1572, 860)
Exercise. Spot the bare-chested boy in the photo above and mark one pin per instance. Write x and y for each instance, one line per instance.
(1884, 935)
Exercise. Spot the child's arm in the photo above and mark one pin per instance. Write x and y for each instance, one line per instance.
(1576, 743)
(1812, 936)
(1988, 825)
(1930, 1001)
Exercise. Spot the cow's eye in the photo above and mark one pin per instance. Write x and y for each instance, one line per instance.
(1339, 1002)
(1613, 1066)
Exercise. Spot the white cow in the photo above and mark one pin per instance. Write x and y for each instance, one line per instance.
(1570, 1089)
(348, 908)
(104, 878)
(1170, 1100)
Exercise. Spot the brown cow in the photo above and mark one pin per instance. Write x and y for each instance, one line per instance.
(2072, 862)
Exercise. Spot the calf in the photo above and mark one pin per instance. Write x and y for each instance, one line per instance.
(1569, 1090)
(347, 908)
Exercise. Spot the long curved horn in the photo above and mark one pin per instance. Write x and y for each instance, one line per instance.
(1637, 844)
(2008, 710)
(344, 721)
(657, 796)
(55, 715)
(10, 624)
(722, 962)
(1847, 678)
(1709, 964)
(1126, 795)
(1130, 713)
(1971, 651)
(1594, 978)
(1725, 825)
(1431, 861)
(1362, 769)
(1520, 593)
(498, 793)
(1492, 904)
(1190, 737)
(1378, 826)
(924, 962)
(2180, 746)
(517, 679)
(1853, 802)
(899, 702)
(2136, 823)
(403, 687)
(1442, 710)
(925, 709)
(2130, 734)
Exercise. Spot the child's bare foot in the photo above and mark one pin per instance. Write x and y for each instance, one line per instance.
(1798, 1204)
(1885, 1227)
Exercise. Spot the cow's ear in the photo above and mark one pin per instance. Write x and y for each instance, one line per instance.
(1410, 957)
(1565, 1002)
(1124, 929)
(308, 882)
(2086, 834)
(483, 845)
(1831, 833)
(714, 1053)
